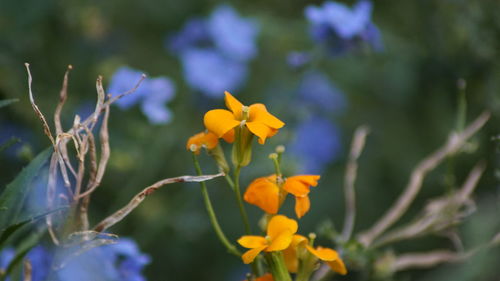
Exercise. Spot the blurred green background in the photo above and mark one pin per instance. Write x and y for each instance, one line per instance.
(406, 93)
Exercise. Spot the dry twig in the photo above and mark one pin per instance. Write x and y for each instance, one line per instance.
(454, 143)
(123, 212)
(357, 145)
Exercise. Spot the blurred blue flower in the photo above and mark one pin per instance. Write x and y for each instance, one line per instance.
(341, 28)
(122, 261)
(232, 35)
(6, 256)
(211, 73)
(214, 52)
(10, 130)
(317, 143)
(318, 91)
(153, 94)
(41, 261)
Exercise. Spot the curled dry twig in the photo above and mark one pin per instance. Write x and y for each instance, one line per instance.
(123, 212)
(454, 143)
(357, 145)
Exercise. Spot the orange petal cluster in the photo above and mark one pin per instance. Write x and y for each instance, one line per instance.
(264, 193)
(280, 231)
(204, 139)
(265, 277)
(259, 121)
(329, 256)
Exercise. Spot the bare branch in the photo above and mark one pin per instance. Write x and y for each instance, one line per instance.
(105, 153)
(46, 128)
(357, 145)
(438, 214)
(454, 143)
(51, 186)
(424, 260)
(123, 212)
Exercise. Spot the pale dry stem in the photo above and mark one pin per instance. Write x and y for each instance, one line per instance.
(454, 143)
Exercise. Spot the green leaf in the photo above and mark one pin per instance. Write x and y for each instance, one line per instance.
(7, 102)
(7, 232)
(13, 198)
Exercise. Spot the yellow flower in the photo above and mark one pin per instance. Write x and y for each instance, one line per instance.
(290, 253)
(279, 236)
(255, 117)
(265, 193)
(330, 256)
(203, 139)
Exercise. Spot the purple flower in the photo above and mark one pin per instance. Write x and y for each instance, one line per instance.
(233, 35)
(153, 94)
(341, 28)
(39, 258)
(194, 33)
(317, 90)
(317, 143)
(211, 73)
(122, 261)
(214, 52)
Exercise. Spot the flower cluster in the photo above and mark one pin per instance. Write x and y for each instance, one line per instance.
(340, 28)
(152, 95)
(215, 51)
(282, 248)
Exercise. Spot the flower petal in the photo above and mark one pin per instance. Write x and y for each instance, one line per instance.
(324, 254)
(311, 180)
(234, 105)
(300, 185)
(260, 130)
(263, 193)
(280, 242)
(265, 277)
(338, 266)
(259, 113)
(252, 241)
(295, 187)
(279, 224)
(229, 136)
(290, 253)
(220, 121)
(250, 255)
(302, 205)
(207, 139)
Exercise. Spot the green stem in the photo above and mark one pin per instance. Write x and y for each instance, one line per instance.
(229, 181)
(240, 200)
(213, 219)
(277, 266)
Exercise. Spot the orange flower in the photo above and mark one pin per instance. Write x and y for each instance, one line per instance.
(265, 193)
(300, 186)
(255, 117)
(331, 257)
(279, 236)
(265, 277)
(290, 253)
(203, 139)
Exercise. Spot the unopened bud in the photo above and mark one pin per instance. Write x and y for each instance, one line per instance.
(193, 147)
(273, 156)
(280, 149)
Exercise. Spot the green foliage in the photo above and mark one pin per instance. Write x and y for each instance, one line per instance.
(14, 196)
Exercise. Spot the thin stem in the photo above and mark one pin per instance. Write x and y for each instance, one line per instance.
(213, 219)
(277, 265)
(240, 200)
